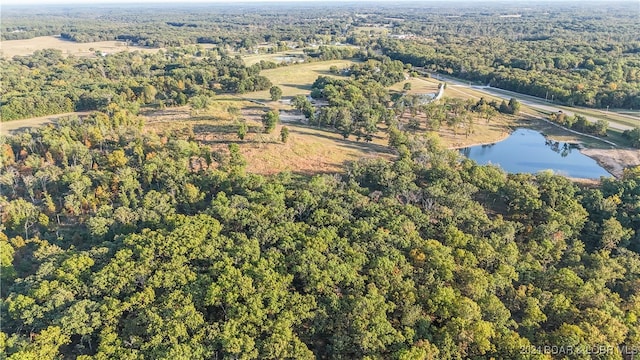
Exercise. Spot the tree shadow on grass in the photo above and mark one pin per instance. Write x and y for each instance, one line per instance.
(330, 135)
(20, 130)
(215, 129)
(329, 73)
(224, 129)
(298, 86)
(254, 108)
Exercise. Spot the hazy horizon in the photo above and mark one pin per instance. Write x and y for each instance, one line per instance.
(227, 2)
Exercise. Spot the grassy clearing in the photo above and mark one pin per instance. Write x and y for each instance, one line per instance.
(552, 131)
(455, 91)
(309, 150)
(297, 79)
(483, 132)
(556, 133)
(12, 48)
(418, 86)
(613, 135)
(611, 116)
(635, 113)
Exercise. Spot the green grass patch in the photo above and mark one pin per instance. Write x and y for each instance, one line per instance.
(609, 116)
(297, 79)
(419, 85)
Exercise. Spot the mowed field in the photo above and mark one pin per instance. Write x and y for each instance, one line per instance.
(11, 48)
(419, 86)
(297, 79)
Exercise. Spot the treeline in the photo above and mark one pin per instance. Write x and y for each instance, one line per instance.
(354, 106)
(574, 55)
(333, 52)
(47, 83)
(124, 243)
(233, 27)
(580, 123)
(633, 136)
(613, 84)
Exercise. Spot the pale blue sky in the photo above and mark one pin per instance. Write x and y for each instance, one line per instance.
(85, 2)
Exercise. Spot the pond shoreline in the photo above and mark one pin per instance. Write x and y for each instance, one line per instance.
(608, 165)
(613, 160)
(485, 143)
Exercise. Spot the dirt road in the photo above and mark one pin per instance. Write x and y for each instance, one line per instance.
(14, 126)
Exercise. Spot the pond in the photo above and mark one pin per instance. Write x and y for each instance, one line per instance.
(528, 151)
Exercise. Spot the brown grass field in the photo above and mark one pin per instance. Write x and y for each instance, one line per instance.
(371, 30)
(418, 86)
(12, 48)
(309, 150)
(313, 150)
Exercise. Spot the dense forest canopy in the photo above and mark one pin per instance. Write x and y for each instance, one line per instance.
(121, 240)
(58, 84)
(122, 243)
(171, 25)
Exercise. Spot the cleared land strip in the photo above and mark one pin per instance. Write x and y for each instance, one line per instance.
(504, 94)
(528, 100)
(9, 127)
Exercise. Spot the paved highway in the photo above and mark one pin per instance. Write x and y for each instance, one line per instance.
(527, 100)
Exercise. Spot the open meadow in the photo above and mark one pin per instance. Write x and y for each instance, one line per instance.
(297, 79)
(419, 85)
(11, 48)
(308, 150)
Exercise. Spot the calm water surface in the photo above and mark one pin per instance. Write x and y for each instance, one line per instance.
(527, 151)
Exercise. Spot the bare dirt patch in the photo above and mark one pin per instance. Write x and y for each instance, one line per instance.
(614, 160)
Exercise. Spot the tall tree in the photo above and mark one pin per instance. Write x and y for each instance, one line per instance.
(269, 120)
(275, 92)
